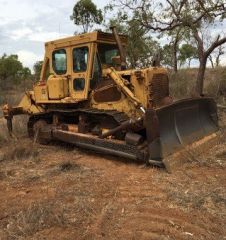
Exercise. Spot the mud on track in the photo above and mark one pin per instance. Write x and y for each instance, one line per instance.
(61, 192)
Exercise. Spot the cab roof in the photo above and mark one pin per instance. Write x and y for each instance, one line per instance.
(96, 36)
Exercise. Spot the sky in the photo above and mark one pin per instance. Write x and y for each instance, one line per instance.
(25, 25)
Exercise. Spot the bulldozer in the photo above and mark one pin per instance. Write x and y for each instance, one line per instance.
(87, 96)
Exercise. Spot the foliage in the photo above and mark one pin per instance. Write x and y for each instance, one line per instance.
(12, 71)
(141, 47)
(214, 57)
(167, 55)
(186, 53)
(37, 69)
(196, 17)
(175, 37)
(86, 14)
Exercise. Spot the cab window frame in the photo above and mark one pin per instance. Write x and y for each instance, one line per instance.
(59, 72)
(86, 60)
(105, 50)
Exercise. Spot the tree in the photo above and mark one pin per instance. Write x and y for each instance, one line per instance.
(196, 16)
(176, 37)
(37, 69)
(219, 53)
(216, 55)
(10, 68)
(141, 47)
(187, 52)
(24, 75)
(167, 55)
(86, 14)
(12, 71)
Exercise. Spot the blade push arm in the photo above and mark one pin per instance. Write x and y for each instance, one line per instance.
(120, 82)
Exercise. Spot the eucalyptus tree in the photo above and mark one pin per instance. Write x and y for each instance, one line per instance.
(197, 16)
(141, 46)
(86, 14)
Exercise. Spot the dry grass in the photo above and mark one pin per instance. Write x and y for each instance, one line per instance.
(68, 166)
(217, 157)
(183, 82)
(19, 129)
(12, 97)
(19, 151)
(196, 197)
(71, 195)
(36, 217)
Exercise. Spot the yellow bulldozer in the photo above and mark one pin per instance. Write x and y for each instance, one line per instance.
(88, 97)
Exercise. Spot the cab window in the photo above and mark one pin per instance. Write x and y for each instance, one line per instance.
(60, 61)
(80, 59)
(107, 52)
(96, 73)
(79, 84)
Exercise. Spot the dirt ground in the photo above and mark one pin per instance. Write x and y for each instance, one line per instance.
(61, 192)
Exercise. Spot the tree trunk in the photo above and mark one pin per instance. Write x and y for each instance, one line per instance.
(211, 61)
(200, 76)
(220, 52)
(189, 63)
(175, 58)
(218, 59)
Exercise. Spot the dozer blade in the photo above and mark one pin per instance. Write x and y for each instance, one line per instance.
(180, 125)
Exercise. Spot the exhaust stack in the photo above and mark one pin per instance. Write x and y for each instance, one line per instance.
(121, 49)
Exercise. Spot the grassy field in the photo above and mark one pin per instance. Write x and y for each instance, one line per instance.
(182, 84)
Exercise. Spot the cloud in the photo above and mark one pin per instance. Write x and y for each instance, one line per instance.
(25, 10)
(3, 37)
(20, 33)
(223, 60)
(35, 35)
(43, 36)
(28, 58)
(25, 25)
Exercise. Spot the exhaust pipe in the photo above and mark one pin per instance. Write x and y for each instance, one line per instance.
(121, 49)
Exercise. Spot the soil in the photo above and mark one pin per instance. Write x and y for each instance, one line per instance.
(62, 192)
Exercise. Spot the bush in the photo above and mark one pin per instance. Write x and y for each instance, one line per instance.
(183, 82)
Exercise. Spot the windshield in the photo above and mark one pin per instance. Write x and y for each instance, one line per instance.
(60, 61)
(106, 52)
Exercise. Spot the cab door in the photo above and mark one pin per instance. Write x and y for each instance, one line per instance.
(82, 58)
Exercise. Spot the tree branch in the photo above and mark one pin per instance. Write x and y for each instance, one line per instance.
(215, 44)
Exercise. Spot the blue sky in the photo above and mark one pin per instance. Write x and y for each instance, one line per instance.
(25, 25)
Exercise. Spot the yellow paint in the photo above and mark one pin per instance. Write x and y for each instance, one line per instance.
(59, 89)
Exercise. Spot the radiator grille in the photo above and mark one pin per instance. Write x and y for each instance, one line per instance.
(158, 89)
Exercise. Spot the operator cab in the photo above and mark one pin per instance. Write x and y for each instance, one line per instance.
(76, 65)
